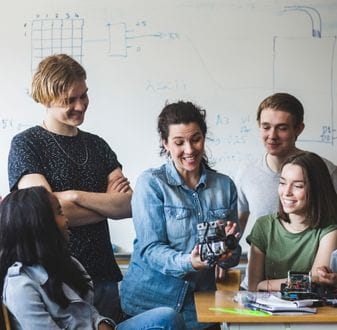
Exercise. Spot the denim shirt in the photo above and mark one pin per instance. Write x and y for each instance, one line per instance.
(165, 215)
(31, 308)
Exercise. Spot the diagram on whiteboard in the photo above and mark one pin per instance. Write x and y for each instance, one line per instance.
(54, 35)
(224, 66)
(312, 57)
(66, 35)
(120, 37)
(302, 64)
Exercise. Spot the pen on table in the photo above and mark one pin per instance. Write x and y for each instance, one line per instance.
(241, 311)
(256, 308)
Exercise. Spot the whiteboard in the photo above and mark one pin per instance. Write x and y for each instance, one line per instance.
(224, 55)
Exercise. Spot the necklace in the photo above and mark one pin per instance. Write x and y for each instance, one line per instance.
(61, 148)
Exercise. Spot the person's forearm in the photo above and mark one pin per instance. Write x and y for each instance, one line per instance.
(243, 219)
(167, 260)
(112, 205)
(253, 282)
(271, 285)
(78, 215)
(256, 266)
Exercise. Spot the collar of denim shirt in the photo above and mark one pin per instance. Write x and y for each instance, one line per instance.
(174, 178)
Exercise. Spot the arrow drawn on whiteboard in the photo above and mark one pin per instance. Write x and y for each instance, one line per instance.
(314, 15)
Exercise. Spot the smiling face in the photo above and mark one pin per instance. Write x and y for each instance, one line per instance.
(278, 132)
(292, 191)
(70, 112)
(60, 219)
(185, 144)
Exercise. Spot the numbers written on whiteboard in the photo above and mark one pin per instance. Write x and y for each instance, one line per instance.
(11, 124)
(57, 15)
(228, 139)
(326, 134)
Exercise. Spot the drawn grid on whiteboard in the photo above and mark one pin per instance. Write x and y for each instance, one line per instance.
(56, 36)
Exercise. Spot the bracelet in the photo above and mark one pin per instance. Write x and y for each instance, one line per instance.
(109, 322)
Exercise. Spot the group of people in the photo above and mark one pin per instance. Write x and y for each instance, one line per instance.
(57, 267)
(259, 182)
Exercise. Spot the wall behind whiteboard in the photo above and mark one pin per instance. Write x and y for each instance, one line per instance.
(224, 55)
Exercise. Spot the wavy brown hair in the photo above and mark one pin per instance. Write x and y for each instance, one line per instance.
(321, 195)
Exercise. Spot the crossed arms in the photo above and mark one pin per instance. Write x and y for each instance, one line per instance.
(84, 207)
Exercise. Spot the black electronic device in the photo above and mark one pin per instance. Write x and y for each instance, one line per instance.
(299, 281)
(213, 241)
(299, 286)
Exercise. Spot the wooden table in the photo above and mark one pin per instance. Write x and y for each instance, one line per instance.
(326, 316)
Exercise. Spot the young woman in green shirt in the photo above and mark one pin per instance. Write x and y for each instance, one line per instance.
(302, 235)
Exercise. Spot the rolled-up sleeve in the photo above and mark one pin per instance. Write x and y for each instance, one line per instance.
(150, 225)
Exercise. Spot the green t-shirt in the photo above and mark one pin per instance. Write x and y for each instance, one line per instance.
(284, 250)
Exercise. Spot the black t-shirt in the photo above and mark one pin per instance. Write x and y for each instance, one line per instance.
(81, 162)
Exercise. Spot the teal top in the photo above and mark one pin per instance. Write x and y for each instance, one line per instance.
(284, 250)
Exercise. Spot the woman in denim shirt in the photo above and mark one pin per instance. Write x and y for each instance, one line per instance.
(41, 285)
(167, 205)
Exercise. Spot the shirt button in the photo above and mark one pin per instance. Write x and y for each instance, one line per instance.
(199, 213)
